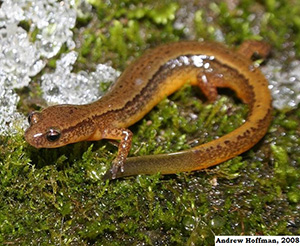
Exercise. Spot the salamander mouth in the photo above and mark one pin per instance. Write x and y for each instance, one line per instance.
(33, 139)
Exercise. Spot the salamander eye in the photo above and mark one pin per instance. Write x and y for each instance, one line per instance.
(53, 134)
(33, 118)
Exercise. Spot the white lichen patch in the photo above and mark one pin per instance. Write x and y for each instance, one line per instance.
(284, 85)
(63, 86)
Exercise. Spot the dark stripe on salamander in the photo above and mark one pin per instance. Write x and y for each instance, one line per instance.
(163, 72)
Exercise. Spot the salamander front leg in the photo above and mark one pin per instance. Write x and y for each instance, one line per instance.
(125, 137)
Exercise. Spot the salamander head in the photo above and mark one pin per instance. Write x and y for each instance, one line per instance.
(57, 126)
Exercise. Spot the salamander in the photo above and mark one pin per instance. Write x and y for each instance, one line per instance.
(158, 73)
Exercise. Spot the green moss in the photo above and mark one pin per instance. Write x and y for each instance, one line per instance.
(57, 197)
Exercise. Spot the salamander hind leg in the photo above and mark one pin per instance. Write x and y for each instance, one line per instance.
(208, 83)
(125, 137)
(224, 78)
